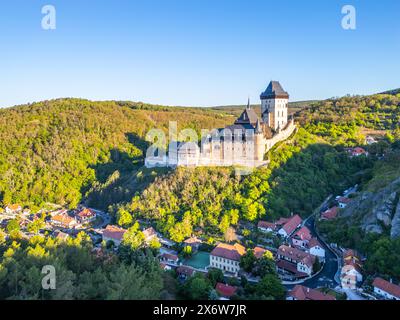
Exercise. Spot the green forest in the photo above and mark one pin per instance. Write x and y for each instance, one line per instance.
(72, 151)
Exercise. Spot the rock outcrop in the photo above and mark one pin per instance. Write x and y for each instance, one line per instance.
(377, 211)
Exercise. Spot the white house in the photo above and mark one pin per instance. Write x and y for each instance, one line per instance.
(316, 249)
(290, 226)
(386, 289)
(226, 257)
(266, 227)
(350, 276)
(295, 260)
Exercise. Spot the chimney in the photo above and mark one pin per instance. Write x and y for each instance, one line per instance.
(308, 290)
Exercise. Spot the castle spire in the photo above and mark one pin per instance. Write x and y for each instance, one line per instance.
(258, 127)
(248, 103)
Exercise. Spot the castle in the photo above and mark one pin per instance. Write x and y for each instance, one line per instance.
(242, 144)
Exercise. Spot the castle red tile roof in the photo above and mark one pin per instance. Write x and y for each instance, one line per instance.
(300, 292)
(225, 290)
(227, 251)
(185, 270)
(387, 286)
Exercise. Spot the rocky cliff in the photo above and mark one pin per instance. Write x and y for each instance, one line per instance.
(376, 212)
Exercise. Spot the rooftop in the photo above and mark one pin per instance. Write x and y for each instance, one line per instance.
(387, 286)
(274, 90)
(300, 292)
(227, 251)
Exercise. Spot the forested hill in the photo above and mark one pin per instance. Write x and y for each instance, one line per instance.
(55, 151)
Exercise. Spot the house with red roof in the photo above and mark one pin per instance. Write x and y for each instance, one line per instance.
(302, 237)
(13, 209)
(259, 252)
(226, 257)
(266, 227)
(343, 202)
(316, 249)
(63, 221)
(149, 234)
(290, 226)
(114, 234)
(85, 216)
(295, 261)
(386, 289)
(169, 258)
(300, 292)
(357, 151)
(224, 290)
(330, 213)
(185, 272)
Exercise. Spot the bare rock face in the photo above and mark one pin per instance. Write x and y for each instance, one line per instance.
(383, 212)
(395, 231)
(376, 210)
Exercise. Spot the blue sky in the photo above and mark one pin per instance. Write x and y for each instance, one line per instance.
(196, 52)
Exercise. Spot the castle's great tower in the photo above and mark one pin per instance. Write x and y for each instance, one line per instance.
(259, 143)
(274, 106)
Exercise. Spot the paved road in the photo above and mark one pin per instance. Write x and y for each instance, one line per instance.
(326, 278)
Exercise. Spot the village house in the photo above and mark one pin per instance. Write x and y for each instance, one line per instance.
(350, 276)
(85, 216)
(13, 209)
(343, 202)
(149, 234)
(330, 213)
(225, 291)
(64, 221)
(165, 267)
(315, 248)
(357, 151)
(193, 242)
(302, 237)
(266, 227)
(295, 261)
(169, 258)
(226, 257)
(370, 140)
(290, 226)
(351, 272)
(300, 292)
(185, 272)
(114, 234)
(386, 289)
(259, 252)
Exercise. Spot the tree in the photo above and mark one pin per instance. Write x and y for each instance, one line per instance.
(270, 286)
(13, 225)
(187, 251)
(35, 226)
(197, 288)
(248, 260)
(133, 237)
(215, 275)
(316, 265)
(230, 235)
(124, 218)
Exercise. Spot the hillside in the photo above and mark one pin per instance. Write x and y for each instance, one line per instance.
(56, 151)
